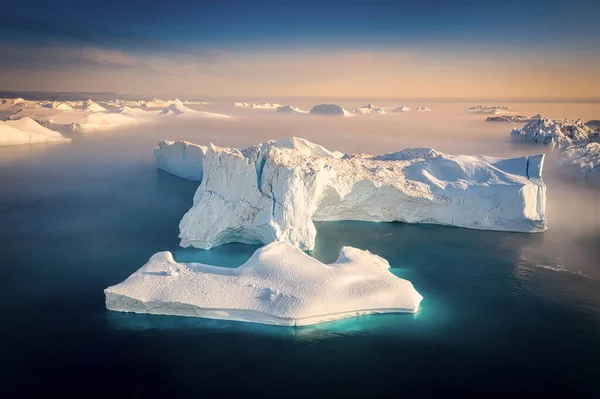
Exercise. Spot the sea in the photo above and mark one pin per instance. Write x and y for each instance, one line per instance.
(503, 314)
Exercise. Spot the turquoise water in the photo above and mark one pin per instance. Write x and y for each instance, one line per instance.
(497, 317)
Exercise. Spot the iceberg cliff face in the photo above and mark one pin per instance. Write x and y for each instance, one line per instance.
(278, 285)
(269, 193)
(180, 158)
(583, 158)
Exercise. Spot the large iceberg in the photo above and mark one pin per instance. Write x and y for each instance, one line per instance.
(489, 109)
(27, 131)
(552, 132)
(279, 285)
(268, 193)
(512, 118)
(184, 159)
(329, 109)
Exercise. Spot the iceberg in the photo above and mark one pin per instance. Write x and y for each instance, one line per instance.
(593, 124)
(279, 285)
(329, 109)
(180, 158)
(401, 108)
(552, 132)
(59, 106)
(263, 105)
(512, 118)
(422, 109)
(489, 109)
(27, 131)
(269, 193)
(368, 109)
(184, 159)
(583, 158)
(177, 108)
(288, 109)
(91, 106)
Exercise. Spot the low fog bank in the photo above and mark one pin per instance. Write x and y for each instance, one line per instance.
(573, 239)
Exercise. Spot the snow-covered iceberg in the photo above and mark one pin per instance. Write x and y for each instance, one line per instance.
(58, 105)
(263, 105)
(368, 109)
(278, 285)
(184, 159)
(512, 118)
(269, 193)
(422, 109)
(289, 109)
(27, 131)
(91, 106)
(584, 159)
(552, 132)
(401, 108)
(329, 109)
(489, 109)
(177, 108)
(180, 158)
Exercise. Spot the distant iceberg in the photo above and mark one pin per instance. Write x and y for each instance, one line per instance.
(369, 109)
(263, 105)
(59, 106)
(288, 109)
(552, 132)
(27, 131)
(489, 109)
(177, 108)
(278, 285)
(512, 118)
(329, 109)
(269, 193)
(401, 108)
(91, 106)
(422, 109)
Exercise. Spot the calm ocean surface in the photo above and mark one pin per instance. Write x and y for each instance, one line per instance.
(498, 317)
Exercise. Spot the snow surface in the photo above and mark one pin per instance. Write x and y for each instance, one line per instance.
(289, 109)
(184, 159)
(329, 109)
(552, 132)
(267, 193)
(278, 285)
(27, 131)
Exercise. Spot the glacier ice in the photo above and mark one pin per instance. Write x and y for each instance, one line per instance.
(512, 118)
(489, 109)
(27, 131)
(289, 109)
(368, 109)
(278, 285)
(269, 193)
(583, 158)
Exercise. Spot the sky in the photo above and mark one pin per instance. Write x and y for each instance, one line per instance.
(438, 49)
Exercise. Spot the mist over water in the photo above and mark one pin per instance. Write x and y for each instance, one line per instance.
(80, 216)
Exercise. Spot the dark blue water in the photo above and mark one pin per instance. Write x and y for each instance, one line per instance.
(497, 318)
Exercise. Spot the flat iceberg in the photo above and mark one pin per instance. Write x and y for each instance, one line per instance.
(263, 105)
(552, 132)
(269, 193)
(278, 285)
(329, 109)
(489, 109)
(27, 131)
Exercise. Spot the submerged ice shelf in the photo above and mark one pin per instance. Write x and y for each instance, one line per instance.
(274, 191)
(279, 285)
